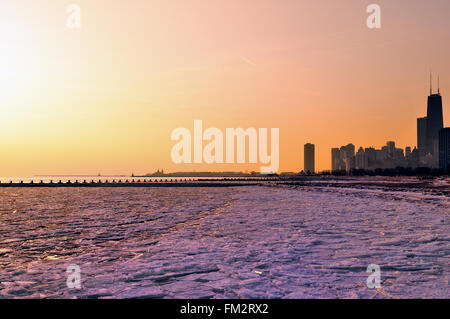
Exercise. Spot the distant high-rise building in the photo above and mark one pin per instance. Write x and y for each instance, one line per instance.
(422, 135)
(361, 159)
(309, 155)
(390, 149)
(408, 151)
(348, 151)
(347, 156)
(435, 123)
(444, 148)
(371, 154)
(428, 130)
(414, 160)
(335, 159)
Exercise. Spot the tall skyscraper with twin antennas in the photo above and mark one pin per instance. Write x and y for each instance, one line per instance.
(435, 123)
(428, 129)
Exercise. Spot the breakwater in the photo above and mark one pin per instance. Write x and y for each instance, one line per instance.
(229, 182)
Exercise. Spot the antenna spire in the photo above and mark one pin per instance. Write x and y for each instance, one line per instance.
(431, 85)
(438, 86)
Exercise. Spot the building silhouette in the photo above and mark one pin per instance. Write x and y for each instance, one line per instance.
(422, 135)
(335, 159)
(444, 148)
(428, 130)
(309, 158)
(408, 151)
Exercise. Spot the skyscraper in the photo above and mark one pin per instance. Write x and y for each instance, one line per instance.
(422, 135)
(444, 148)
(361, 159)
(428, 130)
(348, 154)
(407, 151)
(390, 149)
(309, 155)
(435, 123)
(335, 159)
(348, 151)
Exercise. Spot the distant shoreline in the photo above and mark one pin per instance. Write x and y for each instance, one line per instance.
(80, 175)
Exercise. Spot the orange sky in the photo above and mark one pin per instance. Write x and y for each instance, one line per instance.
(106, 97)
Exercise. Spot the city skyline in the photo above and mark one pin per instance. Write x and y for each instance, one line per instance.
(426, 152)
(106, 97)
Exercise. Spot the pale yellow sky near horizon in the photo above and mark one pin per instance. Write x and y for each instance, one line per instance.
(106, 97)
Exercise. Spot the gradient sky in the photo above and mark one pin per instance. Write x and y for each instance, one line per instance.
(105, 98)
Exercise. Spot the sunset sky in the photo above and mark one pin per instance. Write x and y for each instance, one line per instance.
(106, 97)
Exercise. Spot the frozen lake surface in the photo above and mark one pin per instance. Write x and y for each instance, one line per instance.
(248, 242)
